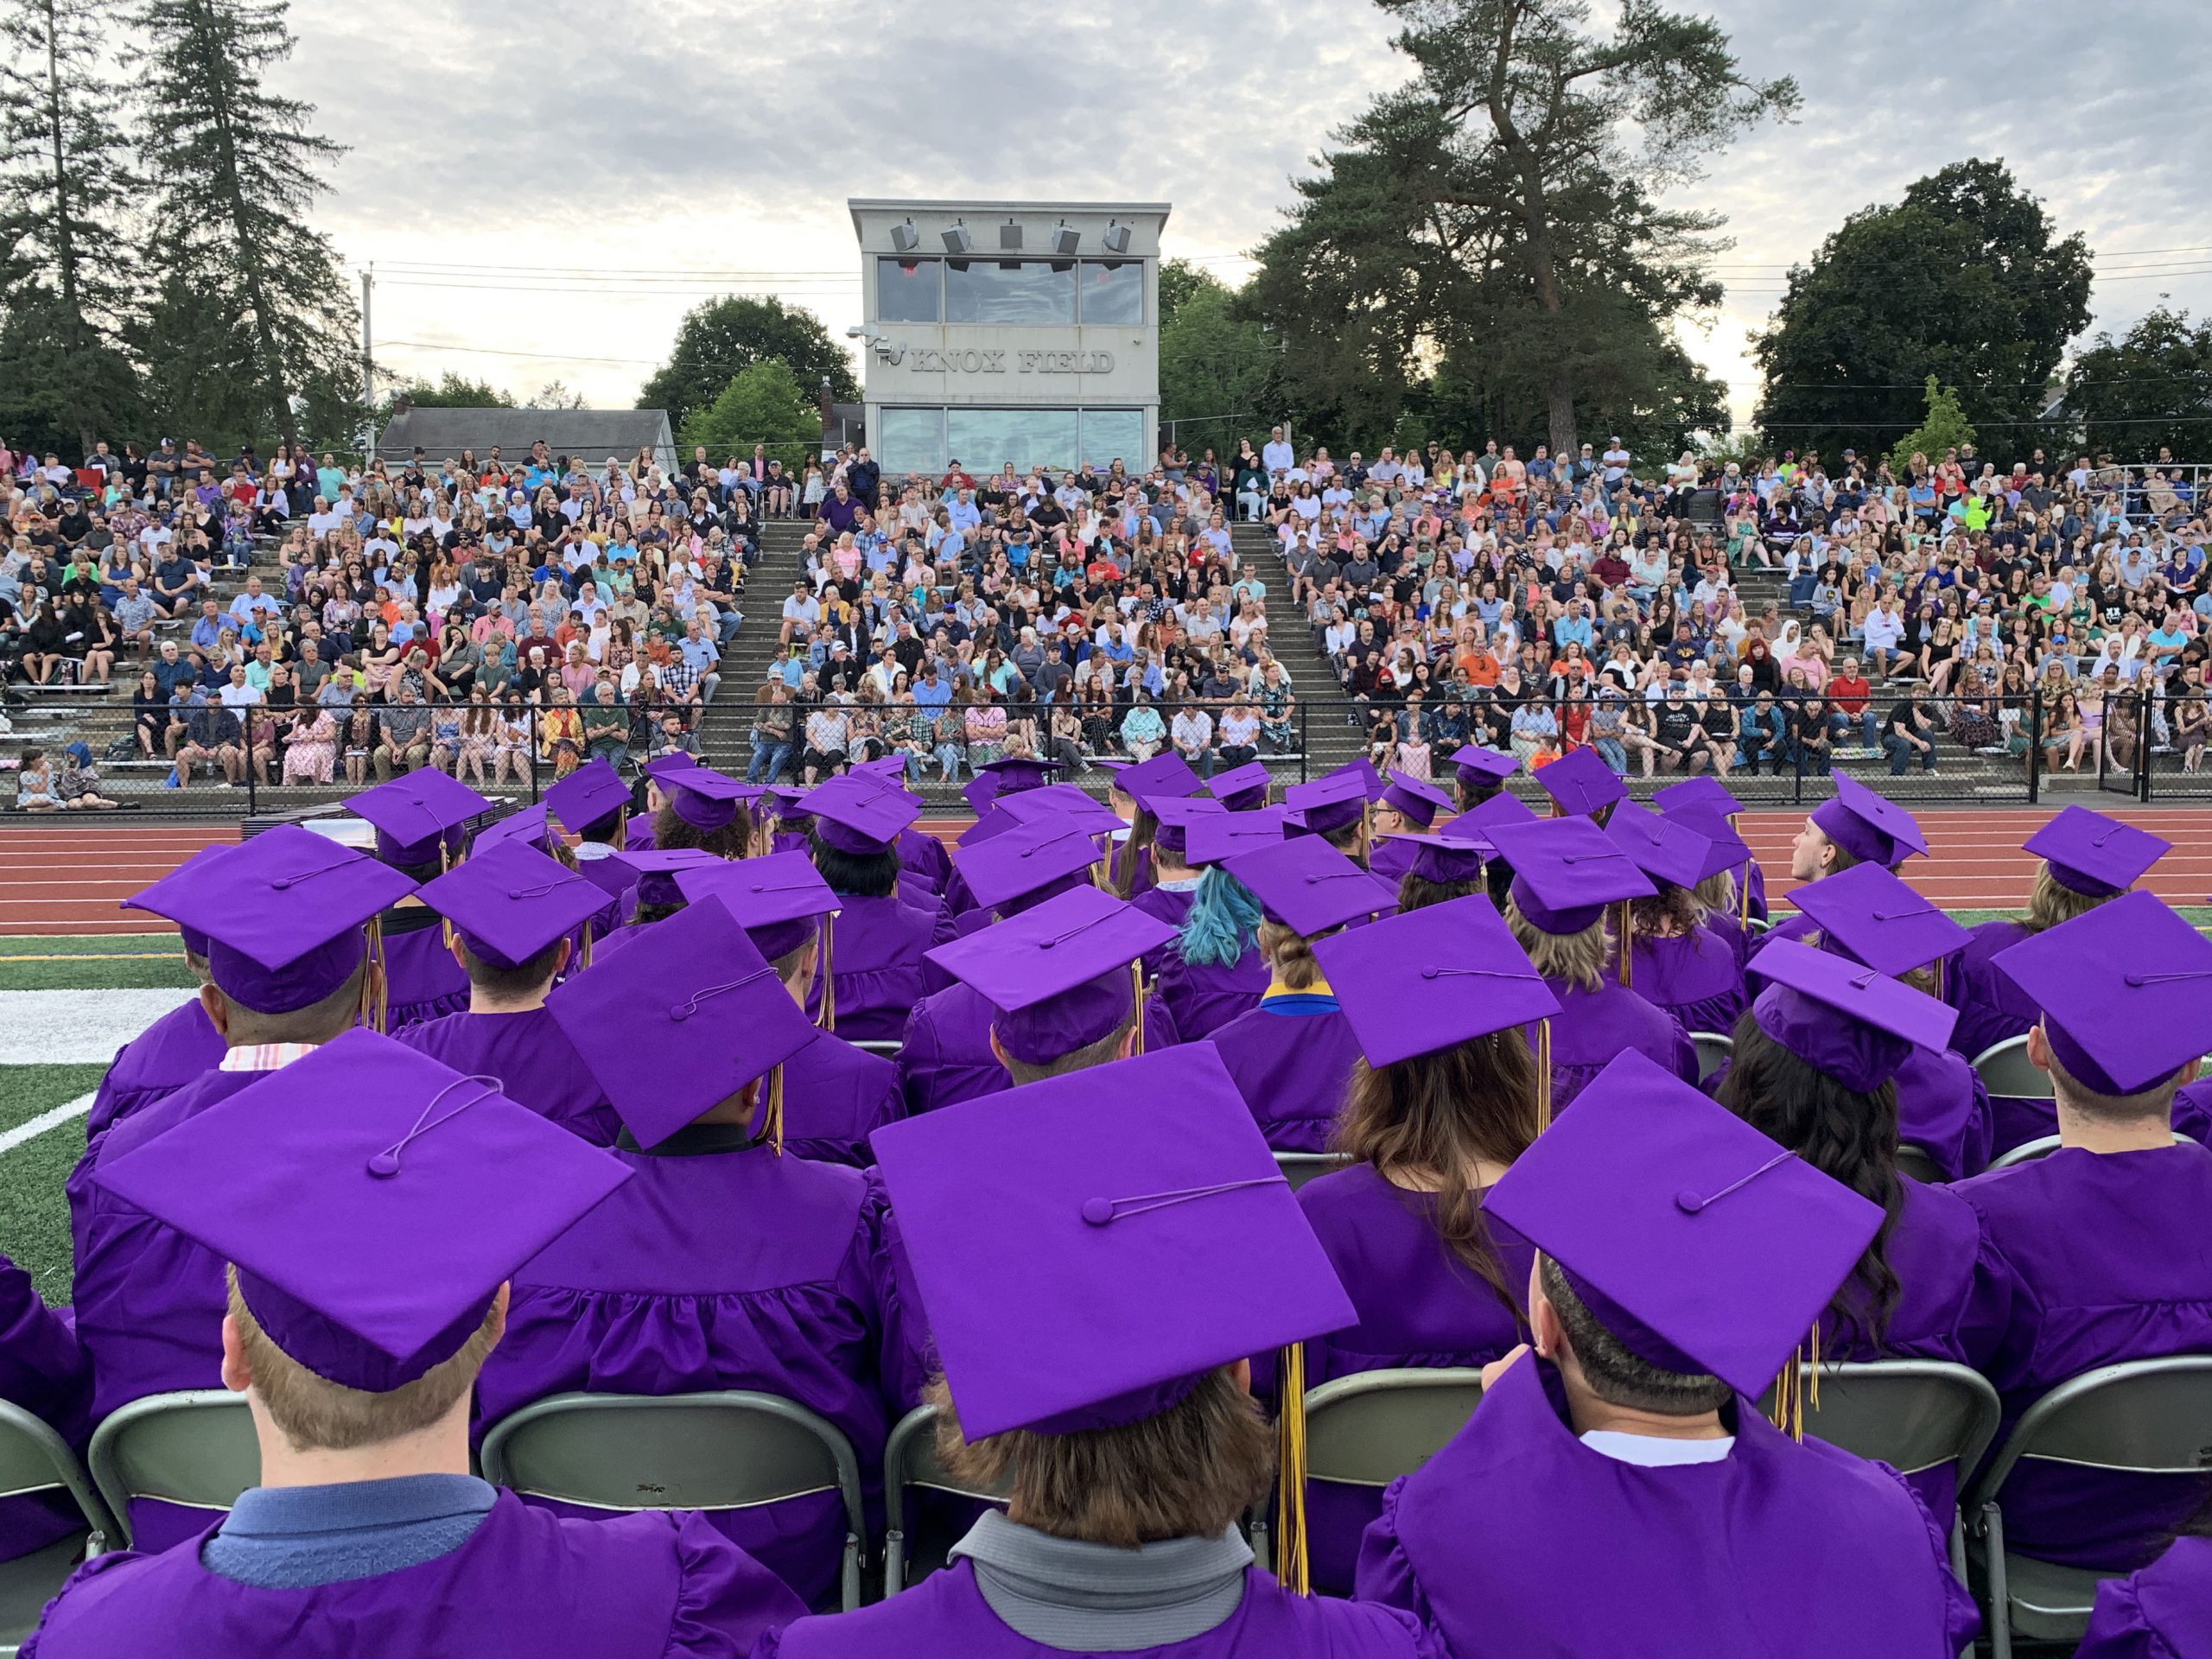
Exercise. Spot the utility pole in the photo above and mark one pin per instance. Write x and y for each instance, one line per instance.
(368, 367)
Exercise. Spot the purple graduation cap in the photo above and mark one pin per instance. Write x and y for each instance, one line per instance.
(1853, 1022)
(527, 826)
(1242, 788)
(1309, 886)
(1370, 781)
(1423, 981)
(281, 915)
(1566, 871)
(510, 902)
(1871, 915)
(194, 941)
(1326, 804)
(1582, 782)
(980, 792)
(1478, 766)
(1028, 859)
(418, 814)
(1666, 850)
(657, 868)
(859, 818)
(1415, 797)
(1726, 850)
(661, 767)
(994, 821)
(1058, 975)
(590, 795)
(1439, 858)
(1708, 793)
(1062, 805)
(1111, 1271)
(889, 770)
(1473, 826)
(349, 1193)
(1163, 777)
(1699, 1243)
(1218, 839)
(779, 899)
(1017, 773)
(681, 1022)
(703, 797)
(2125, 992)
(1176, 817)
(1872, 828)
(2094, 856)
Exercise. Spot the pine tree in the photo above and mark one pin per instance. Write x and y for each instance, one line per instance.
(253, 332)
(68, 277)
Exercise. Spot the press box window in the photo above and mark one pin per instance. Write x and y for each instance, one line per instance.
(908, 290)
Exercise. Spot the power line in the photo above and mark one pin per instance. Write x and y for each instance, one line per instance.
(495, 351)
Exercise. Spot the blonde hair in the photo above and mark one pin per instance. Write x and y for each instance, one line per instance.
(1577, 958)
(314, 1413)
(2051, 902)
(1290, 955)
(1717, 891)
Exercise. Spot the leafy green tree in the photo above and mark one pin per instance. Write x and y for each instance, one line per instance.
(762, 403)
(68, 274)
(1943, 427)
(253, 332)
(717, 339)
(1213, 363)
(1502, 209)
(2149, 390)
(448, 390)
(1966, 279)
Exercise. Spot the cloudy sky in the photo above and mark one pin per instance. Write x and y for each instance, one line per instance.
(552, 188)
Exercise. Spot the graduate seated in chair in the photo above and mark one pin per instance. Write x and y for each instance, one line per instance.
(1855, 827)
(2162, 1612)
(1094, 1344)
(421, 822)
(2104, 1241)
(365, 1283)
(1215, 969)
(1617, 1490)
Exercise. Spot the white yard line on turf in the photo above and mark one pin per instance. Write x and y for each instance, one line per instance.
(53, 1118)
(77, 1027)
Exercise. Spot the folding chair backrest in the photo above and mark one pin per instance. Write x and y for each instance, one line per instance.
(1756, 926)
(1299, 1168)
(888, 1047)
(1914, 1162)
(33, 1458)
(721, 1451)
(1713, 1051)
(1910, 1413)
(910, 1463)
(196, 1449)
(1369, 1429)
(2005, 1069)
(2147, 1416)
(2028, 1153)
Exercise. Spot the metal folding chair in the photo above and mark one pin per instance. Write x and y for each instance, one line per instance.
(2005, 1069)
(1914, 1162)
(34, 1459)
(1713, 1049)
(910, 1465)
(1299, 1168)
(2042, 1148)
(887, 1046)
(728, 1449)
(2146, 1417)
(195, 1449)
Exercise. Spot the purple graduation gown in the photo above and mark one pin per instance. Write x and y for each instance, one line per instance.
(533, 1060)
(875, 963)
(2108, 1259)
(2164, 1612)
(1755, 878)
(946, 1057)
(835, 1097)
(1418, 1305)
(718, 1265)
(638, 834)
(2192, 1112)
(653, 1585)
(1169, 905)
(1694, 975)
(945, 1615)
(421, 980)
(1990, 1007)
(170, 1052)
(1390, 860)
(922, 855)
(1518, 1542)
(1205, 996)
(44, 1371)
(1593, 1027)
(1943, 1109)
(1291, 1057)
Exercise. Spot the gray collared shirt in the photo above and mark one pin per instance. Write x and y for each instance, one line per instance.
(1085, 1598)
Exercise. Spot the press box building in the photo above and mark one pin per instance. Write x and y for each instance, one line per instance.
(1021, 331)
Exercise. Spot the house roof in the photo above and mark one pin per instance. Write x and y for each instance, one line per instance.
(590, 434)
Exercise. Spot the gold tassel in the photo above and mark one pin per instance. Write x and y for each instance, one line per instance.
(1939, 979)
(1293, 1564)
(1543, 1074)
(380, 1010)
(1626, 941)
(1136, 991)
(828, 1020)
(445, 867)
(1744, 898)
(584, 950)
(772, 1125)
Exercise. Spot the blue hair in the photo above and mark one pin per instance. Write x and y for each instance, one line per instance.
(1223, 922)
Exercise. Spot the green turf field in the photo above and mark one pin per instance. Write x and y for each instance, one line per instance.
(33, 1216)
(110, 962)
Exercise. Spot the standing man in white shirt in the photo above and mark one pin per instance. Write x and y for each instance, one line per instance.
(1277, 454)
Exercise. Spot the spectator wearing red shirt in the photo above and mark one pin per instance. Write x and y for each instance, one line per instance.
(1853, 700)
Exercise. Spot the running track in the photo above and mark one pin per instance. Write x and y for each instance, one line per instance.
(68, 878)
